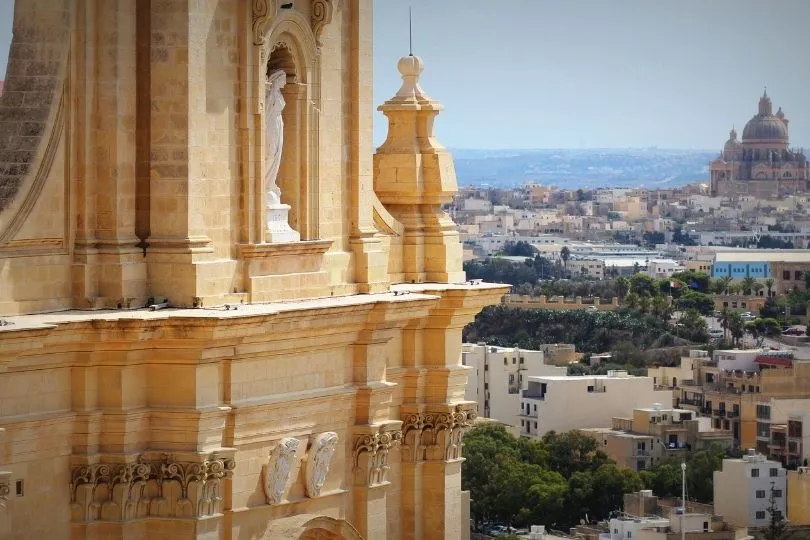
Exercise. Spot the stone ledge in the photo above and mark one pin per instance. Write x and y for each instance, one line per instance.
(268, 251)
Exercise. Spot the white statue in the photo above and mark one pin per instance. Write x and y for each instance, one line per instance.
(274, 131)
(319, 461)
(277, 473)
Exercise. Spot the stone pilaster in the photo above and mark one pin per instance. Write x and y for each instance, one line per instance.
(370, 260)
(431, 469)
(372, 445)
(110, 270)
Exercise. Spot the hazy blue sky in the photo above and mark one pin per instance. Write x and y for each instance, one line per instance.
(592, 73)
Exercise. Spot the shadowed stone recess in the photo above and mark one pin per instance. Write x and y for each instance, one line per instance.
(34, 76)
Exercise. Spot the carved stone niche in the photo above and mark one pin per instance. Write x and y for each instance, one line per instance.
(319, 460)
(153, 485)
(435, 435)
(371, 446)
(281, 469)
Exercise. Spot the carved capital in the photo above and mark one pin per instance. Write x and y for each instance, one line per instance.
(5, 488)
(319, 460)
(322, 13)
(371, 453)
(151, 486)
(436, 435)
(279, 472)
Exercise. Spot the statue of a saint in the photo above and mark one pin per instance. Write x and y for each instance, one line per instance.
(274, 132)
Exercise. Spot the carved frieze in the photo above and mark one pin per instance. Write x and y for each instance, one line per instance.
(5, 488)
(319, 460)
(163, 487)
(436, 435)
(371, 454)
(278, 473)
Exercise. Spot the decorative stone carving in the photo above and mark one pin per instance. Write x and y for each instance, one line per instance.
(371, 455)
(162, 487)
(318, 462)
(436, 435)
(322, 12)
(262, 13)
(5, 487)
(278, 472)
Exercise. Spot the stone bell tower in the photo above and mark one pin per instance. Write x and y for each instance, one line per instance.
(413, 177)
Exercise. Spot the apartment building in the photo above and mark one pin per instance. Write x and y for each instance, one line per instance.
(592, 268)
(742, 489)
(730, 395)
(786, 434)
(498, 374)
(557, 403)
(798, 492)
(655, 433)
(671, 376)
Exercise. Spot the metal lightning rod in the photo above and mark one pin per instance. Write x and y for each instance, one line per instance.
(410, 31)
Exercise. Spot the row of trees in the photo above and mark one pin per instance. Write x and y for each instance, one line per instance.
(564, 477)
(590, 332)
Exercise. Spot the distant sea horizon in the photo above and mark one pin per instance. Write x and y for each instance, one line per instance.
(586, 168)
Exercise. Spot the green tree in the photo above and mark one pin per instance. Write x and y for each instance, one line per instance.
(565, 254)
(701, 302)
(699, 281)
(692, 326)
(736, 327)
(572, 451)
(769, 284)
(757, 286)
(747, 285)
(622, 286)
(643, 285)
(723, 284)
(777, 524)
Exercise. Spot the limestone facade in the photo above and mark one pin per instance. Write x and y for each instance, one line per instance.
(307, 389)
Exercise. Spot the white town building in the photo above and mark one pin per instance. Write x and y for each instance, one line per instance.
(742, 489)
(562, 403)
(497, 376)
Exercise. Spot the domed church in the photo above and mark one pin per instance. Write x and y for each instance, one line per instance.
(761, 164)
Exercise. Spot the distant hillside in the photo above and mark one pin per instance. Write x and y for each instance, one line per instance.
(589, 168)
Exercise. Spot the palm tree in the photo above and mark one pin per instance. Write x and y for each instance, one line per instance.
(661, 308)
(746, 285)
(769, 284)
(736, 326)
(565, 254)
(644, 304)
(725, 315)
(723, 284)
(622, 285)
(757, 287)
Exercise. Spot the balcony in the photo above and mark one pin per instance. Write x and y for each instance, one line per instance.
(732, 414)
(719, 412)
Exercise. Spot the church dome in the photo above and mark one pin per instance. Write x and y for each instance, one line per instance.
(732, 147)
(765, 126)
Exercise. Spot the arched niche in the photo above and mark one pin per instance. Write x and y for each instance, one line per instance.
(289, 45)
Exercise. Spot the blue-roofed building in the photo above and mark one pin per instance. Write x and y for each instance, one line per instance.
(741, 269)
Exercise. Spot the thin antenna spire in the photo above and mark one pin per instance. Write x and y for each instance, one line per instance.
(410, 31)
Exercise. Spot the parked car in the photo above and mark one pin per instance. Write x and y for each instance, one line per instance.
(716, 333)
(795, 331)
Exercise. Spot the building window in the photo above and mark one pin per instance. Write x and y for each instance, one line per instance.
(797, 275)
(486, 367)
(514, 361)
(786, 274)
(760, 514)
(535, 425)
(754, 473)
(486, 384)
(774, 471)
(590, 388)
(505, 362)
(777, 493)
(760, 494)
